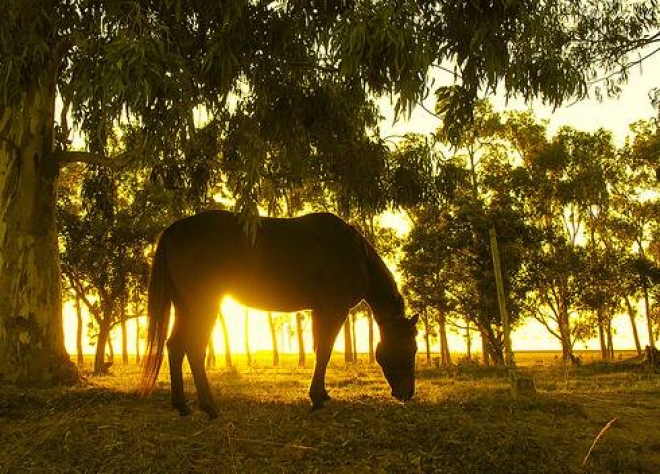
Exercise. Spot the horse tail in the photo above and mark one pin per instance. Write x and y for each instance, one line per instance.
(158, 314)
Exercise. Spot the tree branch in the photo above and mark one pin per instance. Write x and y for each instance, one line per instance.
(118, 161)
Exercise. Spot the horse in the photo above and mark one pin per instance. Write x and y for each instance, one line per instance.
(314, 262)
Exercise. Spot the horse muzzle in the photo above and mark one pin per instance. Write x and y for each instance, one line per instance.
(404, 394)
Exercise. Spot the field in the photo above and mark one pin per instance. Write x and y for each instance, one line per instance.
(463, 420)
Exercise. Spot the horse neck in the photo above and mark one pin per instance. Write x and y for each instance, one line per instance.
(382, 294)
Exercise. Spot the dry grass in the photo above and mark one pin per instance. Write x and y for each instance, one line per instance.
(463, 420)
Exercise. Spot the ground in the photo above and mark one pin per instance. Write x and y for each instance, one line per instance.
(463, 420)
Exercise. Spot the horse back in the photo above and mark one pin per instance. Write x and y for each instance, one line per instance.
(292, 264)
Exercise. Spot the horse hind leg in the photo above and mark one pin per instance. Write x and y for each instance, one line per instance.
(176, 352)
(196, 343)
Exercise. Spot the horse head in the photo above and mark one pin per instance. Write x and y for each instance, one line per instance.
(396, 356)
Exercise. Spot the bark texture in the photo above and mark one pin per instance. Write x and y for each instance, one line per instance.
(32, 348)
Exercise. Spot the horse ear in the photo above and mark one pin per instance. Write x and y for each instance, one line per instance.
(414, 319)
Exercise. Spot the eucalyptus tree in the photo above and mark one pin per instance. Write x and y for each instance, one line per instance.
(635, 225)
(454, 198)
(105, 239)
(593, 172)
(426, 266)
(155, 63)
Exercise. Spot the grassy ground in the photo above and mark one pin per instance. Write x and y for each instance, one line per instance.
(463, 420)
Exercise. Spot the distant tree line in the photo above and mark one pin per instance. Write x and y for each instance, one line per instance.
(576, 218)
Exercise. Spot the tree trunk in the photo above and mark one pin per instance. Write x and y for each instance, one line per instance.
(353, 319)
(225, 338)
(370, 317)
(210, 354)
(348, 342)
(300, 317)
(484, 348)
(649, 320)
(273, 337)
(79, 333)
(246, 329)
(495, 348)
(632, 313)
(427, 338)
(100, 366)
(137, 341)
(468, 341)
(610, 341)
(601, 335)
(32, 350)
(565, 335)
(111, 349)
(124, 338)
(444, 343)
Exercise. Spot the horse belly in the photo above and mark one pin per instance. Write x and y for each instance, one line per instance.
(272, 293)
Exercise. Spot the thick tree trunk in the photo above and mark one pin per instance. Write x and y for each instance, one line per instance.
(79, 333)
(300, 317)
(32, 348)
(100, 366)
(273, 337)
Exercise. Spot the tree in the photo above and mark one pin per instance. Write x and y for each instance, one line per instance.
(426, 267)
(154, 64)
(246, 329)
(105, 236)
(273, 325)
(300, 334)
(225, 338)
(639, 211)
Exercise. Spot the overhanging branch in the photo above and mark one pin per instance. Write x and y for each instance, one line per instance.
(118, 161)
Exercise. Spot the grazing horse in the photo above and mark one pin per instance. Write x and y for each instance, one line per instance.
(315, 262)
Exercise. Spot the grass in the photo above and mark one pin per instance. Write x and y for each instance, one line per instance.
(463, 420)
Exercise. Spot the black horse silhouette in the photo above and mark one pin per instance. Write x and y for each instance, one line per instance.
(315, 262)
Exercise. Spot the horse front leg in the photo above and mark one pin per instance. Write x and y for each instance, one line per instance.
(325, 328)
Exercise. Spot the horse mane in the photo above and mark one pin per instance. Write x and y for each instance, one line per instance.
(382, 288)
